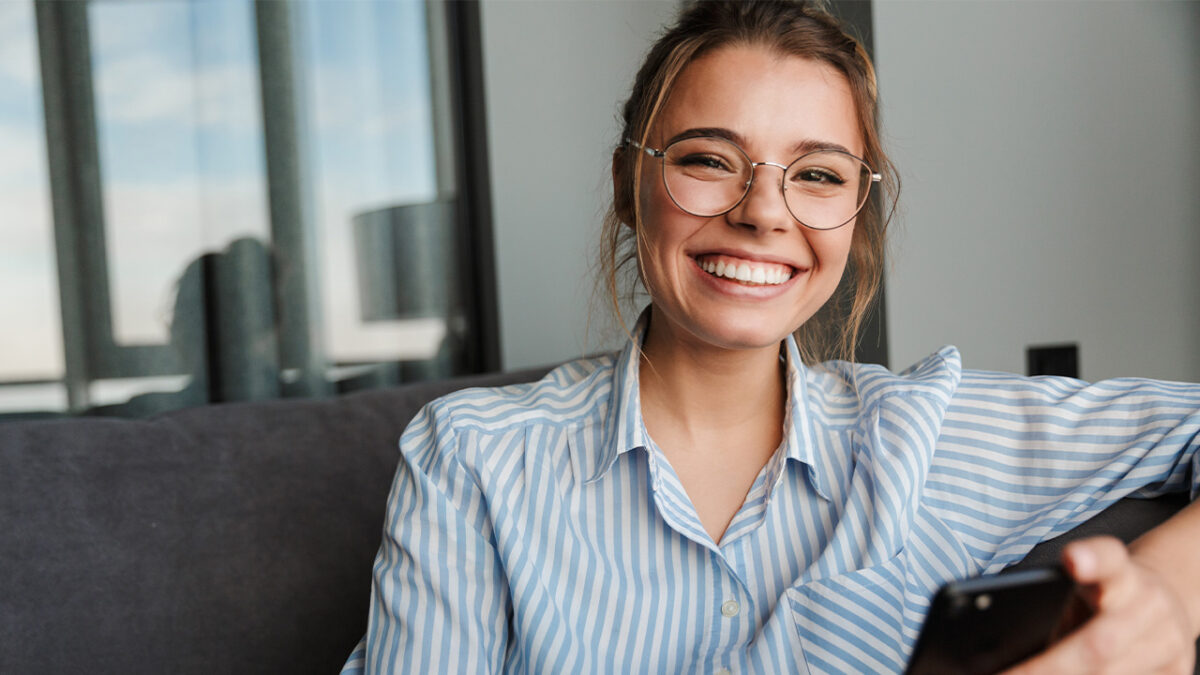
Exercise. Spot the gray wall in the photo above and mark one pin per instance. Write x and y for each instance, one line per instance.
(555, 74)
(1049, 153)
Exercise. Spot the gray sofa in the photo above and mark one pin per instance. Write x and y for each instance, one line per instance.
(225, 539)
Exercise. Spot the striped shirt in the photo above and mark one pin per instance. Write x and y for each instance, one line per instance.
(536, 528)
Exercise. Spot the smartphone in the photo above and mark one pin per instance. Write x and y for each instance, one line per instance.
(989, 623)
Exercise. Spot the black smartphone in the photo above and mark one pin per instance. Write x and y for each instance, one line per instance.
(989, 623)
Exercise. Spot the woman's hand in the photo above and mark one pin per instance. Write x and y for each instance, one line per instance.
(1139, 622)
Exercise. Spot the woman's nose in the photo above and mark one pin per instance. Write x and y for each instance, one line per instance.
(764, 207)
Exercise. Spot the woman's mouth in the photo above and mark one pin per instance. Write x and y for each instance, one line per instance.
(748, 272)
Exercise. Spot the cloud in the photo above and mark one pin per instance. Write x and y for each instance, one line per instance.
(30, 302)
(31, 344)
(18, 48)
(26, 227)
(23, 158)
(144, 88)
(119, 27)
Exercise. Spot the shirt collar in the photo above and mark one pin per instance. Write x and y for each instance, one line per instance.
(623, 426)
(814, 395)
(799, 442)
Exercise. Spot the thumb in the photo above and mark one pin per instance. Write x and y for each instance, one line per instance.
(1102, 567)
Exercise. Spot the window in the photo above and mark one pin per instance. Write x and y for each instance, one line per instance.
(226, 200)
(31, 356)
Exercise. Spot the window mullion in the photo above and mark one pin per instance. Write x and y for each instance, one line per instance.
(74, 168)
(293, 234)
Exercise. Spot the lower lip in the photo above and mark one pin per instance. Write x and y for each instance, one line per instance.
(740, 290)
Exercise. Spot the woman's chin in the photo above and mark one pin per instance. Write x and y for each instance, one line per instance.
(740, 337)
(702, 323)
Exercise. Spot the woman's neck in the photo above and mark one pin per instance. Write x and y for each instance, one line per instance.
(705, 393)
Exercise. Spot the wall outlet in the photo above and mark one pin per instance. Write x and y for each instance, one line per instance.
(1060, 359)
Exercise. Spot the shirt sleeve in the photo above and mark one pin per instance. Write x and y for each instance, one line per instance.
(439, 599)
(1020, 460)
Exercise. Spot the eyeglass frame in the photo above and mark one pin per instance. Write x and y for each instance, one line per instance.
(661, 154)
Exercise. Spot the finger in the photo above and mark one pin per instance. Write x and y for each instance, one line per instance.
(1102, 567)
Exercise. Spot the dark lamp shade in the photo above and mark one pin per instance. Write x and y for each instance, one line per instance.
(407, 258)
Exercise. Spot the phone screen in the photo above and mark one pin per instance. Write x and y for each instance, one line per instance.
(989, 623)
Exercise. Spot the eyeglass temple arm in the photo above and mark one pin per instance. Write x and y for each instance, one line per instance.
(649, 151)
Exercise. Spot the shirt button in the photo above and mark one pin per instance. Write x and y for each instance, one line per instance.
(729, 609)
(724, 671)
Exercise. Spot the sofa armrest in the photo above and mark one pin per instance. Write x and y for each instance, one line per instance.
(1127, 519)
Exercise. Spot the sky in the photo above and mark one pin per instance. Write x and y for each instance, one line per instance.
(180, 141)
(30, 342)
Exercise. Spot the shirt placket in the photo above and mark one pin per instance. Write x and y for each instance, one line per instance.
(733, 614)
(728, 604)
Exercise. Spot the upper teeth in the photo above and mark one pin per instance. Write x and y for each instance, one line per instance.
(748, 272)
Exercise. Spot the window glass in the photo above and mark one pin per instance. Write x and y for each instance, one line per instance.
(31, 353)
(371, 124)
(180, 137)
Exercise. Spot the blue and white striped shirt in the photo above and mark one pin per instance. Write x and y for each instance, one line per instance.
(536, 528)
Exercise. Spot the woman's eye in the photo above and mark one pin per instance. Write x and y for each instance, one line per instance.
(818, 175)
(705, 162)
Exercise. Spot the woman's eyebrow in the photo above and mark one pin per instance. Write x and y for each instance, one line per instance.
(718, 132)
(812, 145)
(801, 148)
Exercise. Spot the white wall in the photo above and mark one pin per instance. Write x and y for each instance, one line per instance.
(1050, 154)
(556, 72)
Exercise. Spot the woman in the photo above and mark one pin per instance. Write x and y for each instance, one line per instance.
(710, 499)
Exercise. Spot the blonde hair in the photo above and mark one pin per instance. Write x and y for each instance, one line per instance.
(791, 28)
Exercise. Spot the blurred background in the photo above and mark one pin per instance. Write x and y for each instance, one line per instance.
(214, 200)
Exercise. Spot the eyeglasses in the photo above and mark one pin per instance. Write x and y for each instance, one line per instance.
(708, 176)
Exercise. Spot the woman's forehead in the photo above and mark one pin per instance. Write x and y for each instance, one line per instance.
(770, 99)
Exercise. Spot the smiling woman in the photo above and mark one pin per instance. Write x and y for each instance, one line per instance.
(715, 498)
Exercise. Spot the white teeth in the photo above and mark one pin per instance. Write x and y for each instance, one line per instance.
(743, 272)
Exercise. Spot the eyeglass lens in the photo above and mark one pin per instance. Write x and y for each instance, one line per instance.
(708, 176)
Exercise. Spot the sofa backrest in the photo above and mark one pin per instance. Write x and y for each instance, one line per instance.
(225, 539)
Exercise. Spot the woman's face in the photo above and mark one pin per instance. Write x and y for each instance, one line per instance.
(772, 106)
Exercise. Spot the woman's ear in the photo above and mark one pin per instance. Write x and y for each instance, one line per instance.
(622, 189)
